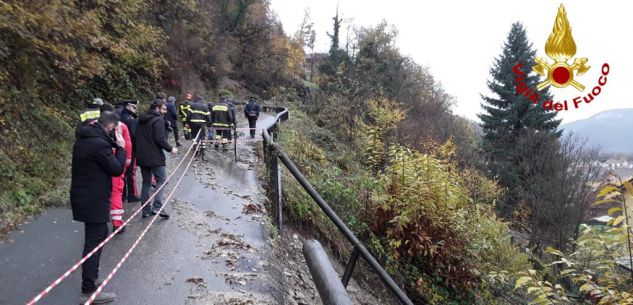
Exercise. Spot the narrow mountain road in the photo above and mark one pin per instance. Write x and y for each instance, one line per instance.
(215, 249)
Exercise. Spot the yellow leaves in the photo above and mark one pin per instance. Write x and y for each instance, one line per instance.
(522, 281)
(616, 221)
(614, 210)
(605, 201)
(532, 290)
(386, 113)
(553, 251)
(586, 288)
(607, 190)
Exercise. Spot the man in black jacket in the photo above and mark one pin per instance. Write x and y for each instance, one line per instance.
(128, 116)
(172, 118)
(93, 165)
(150, 143)
(198, 119)
(222, 118)
(251, 112)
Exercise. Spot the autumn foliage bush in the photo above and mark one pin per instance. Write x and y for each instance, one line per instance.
(430, 221)
(415, 215)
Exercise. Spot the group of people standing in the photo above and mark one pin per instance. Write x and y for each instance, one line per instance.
(110, 144)
(215, 121)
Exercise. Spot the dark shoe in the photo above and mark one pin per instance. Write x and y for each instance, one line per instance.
(133, 199)
(178, 144)
(120, 232)
(147, 214)
(154, 213)
(164, 214)
(102, 298)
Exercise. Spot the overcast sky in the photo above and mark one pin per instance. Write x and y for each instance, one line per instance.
(458, 40)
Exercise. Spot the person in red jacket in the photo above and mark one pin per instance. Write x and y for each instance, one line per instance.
(123, 139)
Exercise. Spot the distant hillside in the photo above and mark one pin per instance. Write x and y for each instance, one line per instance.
(610, 129)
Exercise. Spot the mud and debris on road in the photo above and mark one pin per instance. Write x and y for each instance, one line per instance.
(216, 248)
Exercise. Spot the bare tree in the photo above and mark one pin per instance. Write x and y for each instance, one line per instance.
(558, 177)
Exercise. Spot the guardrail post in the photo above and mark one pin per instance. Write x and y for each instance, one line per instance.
(350, 266)
(275, 179)
(265, 150)
(325, 277)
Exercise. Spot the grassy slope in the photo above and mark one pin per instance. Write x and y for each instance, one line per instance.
(35, 150)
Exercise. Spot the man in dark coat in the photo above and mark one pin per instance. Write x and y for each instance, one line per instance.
(150, 143)
(198, 119)
(251, 112)
(93, 165)
(222, 118)
(172, 118)
(129, 118)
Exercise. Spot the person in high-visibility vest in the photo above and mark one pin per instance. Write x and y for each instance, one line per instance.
(198, 119)
(184, 108)
(222, 118)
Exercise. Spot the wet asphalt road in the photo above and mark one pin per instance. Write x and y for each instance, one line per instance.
(210, 252)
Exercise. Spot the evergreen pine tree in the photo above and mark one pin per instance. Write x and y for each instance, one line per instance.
(509, 116)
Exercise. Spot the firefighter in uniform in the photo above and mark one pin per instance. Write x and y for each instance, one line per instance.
(185, 106)
(222, 118)
(198, 119)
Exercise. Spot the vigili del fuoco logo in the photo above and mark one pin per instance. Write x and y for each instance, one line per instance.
(561, 48)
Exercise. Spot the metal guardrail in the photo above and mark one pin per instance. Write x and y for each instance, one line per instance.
(325, 278)
(272, 154)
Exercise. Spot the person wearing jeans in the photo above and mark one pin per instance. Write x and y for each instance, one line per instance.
(150, 143)
(147, 173)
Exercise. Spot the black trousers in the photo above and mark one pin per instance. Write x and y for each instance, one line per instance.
(252, 124)
(95, 233)
(130, 190)
(195, 127)
(224, 132)
(174, 128)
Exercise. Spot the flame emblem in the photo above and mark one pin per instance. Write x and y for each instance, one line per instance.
(560, 47)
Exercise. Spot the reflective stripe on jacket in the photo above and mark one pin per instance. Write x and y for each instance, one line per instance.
(221, 115)
(184, 110)
(89, 114)
(199, 114)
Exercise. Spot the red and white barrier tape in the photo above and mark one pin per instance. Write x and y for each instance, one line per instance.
(238, 128)
(54, 284)
(127, 254)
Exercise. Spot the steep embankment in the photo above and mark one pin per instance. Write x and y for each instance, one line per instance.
(54, 55)
(35, 152)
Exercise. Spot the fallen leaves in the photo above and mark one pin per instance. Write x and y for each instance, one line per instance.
(253, 208)
(238, 278)
(198, 281)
